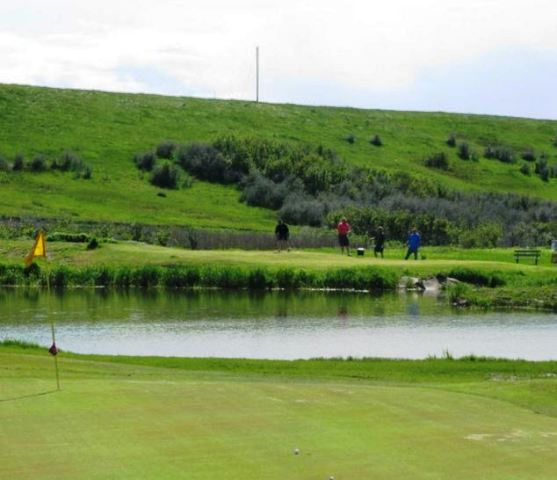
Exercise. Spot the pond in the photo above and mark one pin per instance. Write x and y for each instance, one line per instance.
(274, 325)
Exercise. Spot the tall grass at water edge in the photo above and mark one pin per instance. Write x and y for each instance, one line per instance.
(188, 276)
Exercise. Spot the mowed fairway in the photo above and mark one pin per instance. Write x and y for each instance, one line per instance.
(121, 421)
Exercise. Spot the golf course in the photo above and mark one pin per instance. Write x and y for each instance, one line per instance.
(137, 234)
(146, 417)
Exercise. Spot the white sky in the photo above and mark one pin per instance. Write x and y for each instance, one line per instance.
(490, 56)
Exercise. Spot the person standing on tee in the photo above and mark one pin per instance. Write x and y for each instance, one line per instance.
(343, 229)
(413, 243)
(379, 242)
(282, 233)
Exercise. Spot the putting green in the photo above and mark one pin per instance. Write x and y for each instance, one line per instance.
(127, 421)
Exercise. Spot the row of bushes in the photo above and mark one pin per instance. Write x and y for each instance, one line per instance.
(359, 278)
(67, 162)
(306, 183)
(375, 140)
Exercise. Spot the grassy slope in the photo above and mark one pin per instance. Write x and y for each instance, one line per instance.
(107, 129)
(204, 419)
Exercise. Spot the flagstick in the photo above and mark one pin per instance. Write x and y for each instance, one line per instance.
(55, 356)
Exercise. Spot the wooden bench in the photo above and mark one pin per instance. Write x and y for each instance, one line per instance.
(527, 253)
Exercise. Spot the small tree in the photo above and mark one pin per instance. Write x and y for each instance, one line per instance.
(464, 151)
(166, 149)
(438, 160)
(376, 140)
(19, 163)
(145, 161)
(525, 169)
(451, 140)
(4, 165)
(38, 164)
(529, 155)
(165, 176)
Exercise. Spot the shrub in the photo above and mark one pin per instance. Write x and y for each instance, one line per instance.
(4, 165)
(165, 176)
(303, 210)
(464, 151)
(529, 155)
(525, 169)
(376, 140)
(451, 140)
(38, 164)
(69, 237)
(501, 153)
(87, 173)
(542, 169)
(477, 277)
(93, 244)
(68, 161)
(19, 163)
(438, 160)
(483, 236)
(145, 161)
(259, 191)
(165, 149)
(206, 163)
(350, 138)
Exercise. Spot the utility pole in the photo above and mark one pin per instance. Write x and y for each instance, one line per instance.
(257, 74)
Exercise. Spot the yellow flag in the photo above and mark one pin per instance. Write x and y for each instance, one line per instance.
(38, 250)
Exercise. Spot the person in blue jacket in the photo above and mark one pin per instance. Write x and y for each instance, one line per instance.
(413, 243)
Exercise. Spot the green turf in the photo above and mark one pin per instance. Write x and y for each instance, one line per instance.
(107, 129)
(120, 417)
(437, 259)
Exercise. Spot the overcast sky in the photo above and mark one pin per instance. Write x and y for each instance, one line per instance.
(478, 56)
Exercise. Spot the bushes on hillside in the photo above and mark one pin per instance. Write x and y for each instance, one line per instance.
(206, 163)
(451, 140)
(304, 183)
(19, 163)
(529, 155)
(145, 161)
(165, 149)
(165, 176)
(464, 152)
(500, 152)
(350, 138)
(4, 165)
(37, 164)
(376, 141)
(438, 160)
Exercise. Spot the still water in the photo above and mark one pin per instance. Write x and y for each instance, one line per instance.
(275, 325)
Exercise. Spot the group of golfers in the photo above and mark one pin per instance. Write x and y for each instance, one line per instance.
(282, 234)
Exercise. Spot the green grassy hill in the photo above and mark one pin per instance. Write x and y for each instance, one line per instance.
(107, 129)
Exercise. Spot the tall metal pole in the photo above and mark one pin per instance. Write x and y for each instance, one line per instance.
(257, 74)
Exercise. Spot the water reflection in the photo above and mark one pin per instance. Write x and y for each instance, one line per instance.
(269, 325)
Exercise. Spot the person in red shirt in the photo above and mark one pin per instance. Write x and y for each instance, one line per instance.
(343, 229)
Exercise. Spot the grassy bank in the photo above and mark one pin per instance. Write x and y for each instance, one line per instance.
(212, 418)
(494, 278)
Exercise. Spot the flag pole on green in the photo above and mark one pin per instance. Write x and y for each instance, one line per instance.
(53, 350)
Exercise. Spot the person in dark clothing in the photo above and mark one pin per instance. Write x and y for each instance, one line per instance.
(379, 242)
(282, 234)
(413, 243)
